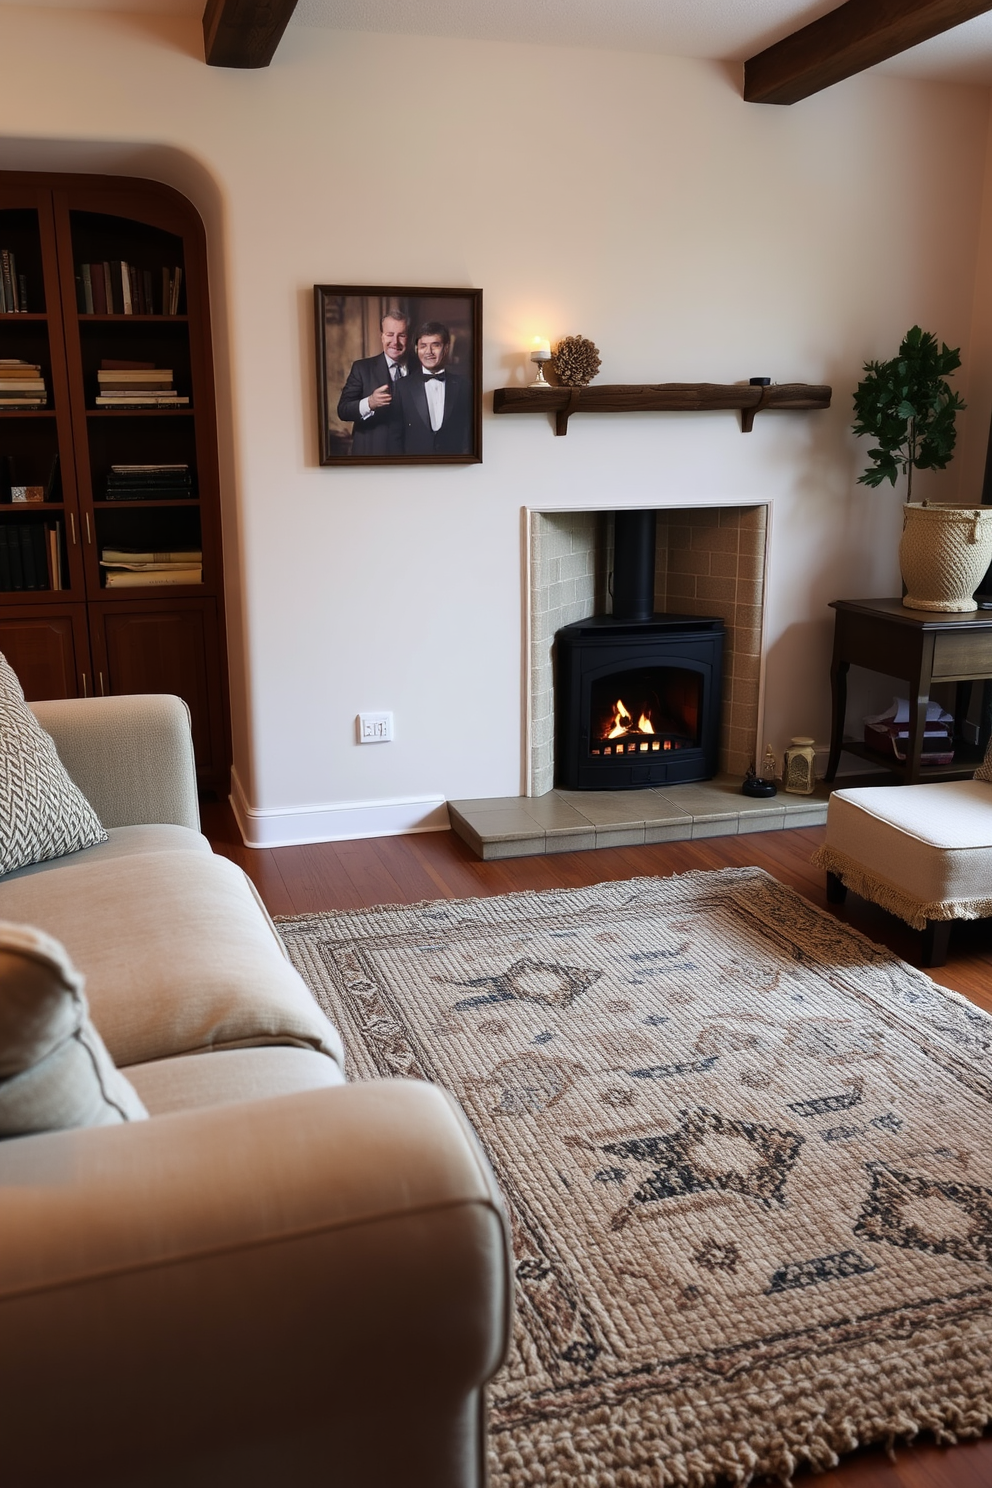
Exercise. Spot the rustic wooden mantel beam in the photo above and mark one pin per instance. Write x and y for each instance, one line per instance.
(660, 397)
(244, 33)
(856, 35)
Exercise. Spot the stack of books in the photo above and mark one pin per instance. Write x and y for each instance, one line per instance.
(13, 286)
(31, 555)
(21, 385)
(149, 483)
(127, 568)
(888, 733)
(136, 385)
(118, 288)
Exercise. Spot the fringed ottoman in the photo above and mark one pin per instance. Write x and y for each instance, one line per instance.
(923, 852)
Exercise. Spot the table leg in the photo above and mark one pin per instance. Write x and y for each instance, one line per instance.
(838, 693)
(914, 744)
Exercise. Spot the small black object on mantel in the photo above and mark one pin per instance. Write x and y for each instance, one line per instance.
(759, 382)
(754, 785)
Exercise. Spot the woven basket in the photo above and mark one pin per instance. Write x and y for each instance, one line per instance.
(944, 553)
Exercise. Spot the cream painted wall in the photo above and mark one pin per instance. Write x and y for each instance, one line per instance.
(633, 199)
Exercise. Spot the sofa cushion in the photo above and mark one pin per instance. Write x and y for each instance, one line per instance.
(196, 1080)
(178, 952)
(54, 1069)
(42, 813)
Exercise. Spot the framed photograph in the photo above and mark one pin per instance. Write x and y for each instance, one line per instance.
(399, 375)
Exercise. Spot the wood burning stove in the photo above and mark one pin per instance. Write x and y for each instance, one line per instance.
(637, 694)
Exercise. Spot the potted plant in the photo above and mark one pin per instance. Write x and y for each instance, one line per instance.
(908, 407)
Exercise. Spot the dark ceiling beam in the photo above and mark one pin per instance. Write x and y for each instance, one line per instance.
(244, 33)
(847, 40)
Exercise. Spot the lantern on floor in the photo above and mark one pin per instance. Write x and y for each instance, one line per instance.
(798, 773)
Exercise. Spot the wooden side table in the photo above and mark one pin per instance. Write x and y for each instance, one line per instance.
(921, 646)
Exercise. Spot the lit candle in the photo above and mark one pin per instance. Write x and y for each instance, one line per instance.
(541, 347)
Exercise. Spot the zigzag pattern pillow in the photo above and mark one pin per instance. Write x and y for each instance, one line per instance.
(984, 771)
(42, 813)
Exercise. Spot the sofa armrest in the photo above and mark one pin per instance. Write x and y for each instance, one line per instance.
(247, 1292)
(132, 757)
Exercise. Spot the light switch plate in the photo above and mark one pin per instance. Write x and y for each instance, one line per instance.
(375, 728)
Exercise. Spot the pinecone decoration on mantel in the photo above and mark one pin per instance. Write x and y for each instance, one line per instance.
(575, 361)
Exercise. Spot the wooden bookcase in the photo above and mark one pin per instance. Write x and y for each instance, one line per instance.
(85, 638)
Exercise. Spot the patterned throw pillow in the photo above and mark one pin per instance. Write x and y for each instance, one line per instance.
(42, 813)
(984, 771)
(55, 1071)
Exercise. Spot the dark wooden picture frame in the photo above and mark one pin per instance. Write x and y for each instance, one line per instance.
(377, 349)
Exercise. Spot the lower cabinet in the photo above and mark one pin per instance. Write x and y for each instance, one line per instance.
(174, 648)
(49, 650)
(122, 648)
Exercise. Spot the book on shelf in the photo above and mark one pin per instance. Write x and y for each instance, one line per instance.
(109, 383)
(132, 558)
(149, 469)
(21, 384)
(53, 533)
(98, 284)
(115, 287)
(84, 289)
(129, 387)
(24, 556)
(25, 536)
(13, 286)
(149, 483)
(125, 578)
(133, 376)
(147, 401)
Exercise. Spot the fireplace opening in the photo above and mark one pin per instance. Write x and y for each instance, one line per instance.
(657, 709)
(637, 693)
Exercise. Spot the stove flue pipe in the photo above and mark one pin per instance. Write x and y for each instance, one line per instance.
(633, 564)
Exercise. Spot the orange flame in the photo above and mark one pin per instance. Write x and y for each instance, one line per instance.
(622, 722)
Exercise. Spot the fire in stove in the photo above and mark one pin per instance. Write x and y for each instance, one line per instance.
(623, 722)
(618, 734)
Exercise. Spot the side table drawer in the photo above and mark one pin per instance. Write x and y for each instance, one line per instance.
(963, 655)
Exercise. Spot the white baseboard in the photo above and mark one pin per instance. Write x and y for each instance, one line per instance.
(336, 821)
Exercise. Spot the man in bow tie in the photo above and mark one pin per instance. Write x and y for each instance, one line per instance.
(435, 403)
(369, 397)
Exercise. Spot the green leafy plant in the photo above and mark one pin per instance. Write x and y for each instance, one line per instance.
(908, 407)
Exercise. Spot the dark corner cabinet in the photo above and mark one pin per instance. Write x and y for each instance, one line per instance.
(63, 628)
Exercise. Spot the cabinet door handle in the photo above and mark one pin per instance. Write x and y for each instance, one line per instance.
(72, 528)
(89, 535)
(85, 686)
(102, 689)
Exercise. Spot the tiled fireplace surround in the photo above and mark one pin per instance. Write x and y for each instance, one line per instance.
(710, 560)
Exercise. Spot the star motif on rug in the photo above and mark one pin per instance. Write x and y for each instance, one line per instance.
(711, 1152)
(917, 1213)
(546, 982)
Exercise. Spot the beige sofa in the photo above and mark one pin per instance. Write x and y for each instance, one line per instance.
(280, 1278)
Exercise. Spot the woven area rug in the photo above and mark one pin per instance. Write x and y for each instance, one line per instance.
(747, 1156)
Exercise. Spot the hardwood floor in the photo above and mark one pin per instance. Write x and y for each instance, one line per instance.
(438, 865)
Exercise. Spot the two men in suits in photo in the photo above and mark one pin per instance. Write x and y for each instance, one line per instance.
(435, 403)
(369, 399)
